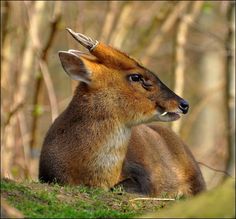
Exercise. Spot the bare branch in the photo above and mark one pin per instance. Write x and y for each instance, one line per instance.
(152, 199)
(43, 57)
(25, 142)
(13, 112)
(165, 28)
(220, 171)
(54, 23)
(4, 19)
(50, 89)
(122, 26)
(109, 20)
(180, 62)
(32, 47)
(214, 36)
(230, 87)
(198, 109)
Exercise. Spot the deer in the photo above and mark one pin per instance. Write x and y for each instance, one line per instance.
(110, 134)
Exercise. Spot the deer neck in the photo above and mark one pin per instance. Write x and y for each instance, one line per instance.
(103, 143)
(107, 161)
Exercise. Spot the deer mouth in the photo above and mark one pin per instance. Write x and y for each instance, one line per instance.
(169, 116)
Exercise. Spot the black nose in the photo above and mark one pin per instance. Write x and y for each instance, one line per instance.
(184, 106)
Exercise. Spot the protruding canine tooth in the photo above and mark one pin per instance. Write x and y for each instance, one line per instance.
(163, 113)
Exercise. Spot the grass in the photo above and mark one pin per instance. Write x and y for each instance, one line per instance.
(39, 200)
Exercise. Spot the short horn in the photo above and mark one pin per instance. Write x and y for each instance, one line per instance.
(85, 41)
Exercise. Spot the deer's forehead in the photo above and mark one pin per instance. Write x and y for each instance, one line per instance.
(104, 70)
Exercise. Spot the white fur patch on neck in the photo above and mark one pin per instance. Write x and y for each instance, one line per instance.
(113, 151)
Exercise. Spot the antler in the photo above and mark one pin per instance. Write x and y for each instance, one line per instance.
(85, 41)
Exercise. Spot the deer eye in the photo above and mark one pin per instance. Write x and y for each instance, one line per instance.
(136, 77)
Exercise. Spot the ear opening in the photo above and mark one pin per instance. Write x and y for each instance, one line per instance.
(75, 66)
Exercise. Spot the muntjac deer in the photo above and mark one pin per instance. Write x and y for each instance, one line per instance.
(102, 139)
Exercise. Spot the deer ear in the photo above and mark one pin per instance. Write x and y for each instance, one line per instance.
(75, 66)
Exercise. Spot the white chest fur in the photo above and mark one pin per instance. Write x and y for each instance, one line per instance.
(112, 152)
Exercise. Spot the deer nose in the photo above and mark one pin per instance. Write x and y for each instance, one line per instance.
(184, 106)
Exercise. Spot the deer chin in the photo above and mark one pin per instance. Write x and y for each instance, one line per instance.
(168, 116)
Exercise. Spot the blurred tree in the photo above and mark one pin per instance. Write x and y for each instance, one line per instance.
(180, 60)
(230, 87)
(209, 136)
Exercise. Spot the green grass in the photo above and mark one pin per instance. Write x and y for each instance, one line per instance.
(39, 200)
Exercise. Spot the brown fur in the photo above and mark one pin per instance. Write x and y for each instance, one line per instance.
(167, 162)
(100, 139)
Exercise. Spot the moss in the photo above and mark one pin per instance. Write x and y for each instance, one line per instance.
(39, 200)
(34, 199)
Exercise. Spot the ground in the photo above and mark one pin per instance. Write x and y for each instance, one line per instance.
(34, 199)
(37, 200)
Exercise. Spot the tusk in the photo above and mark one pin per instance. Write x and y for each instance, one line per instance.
(85, 41)
(163, 114)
